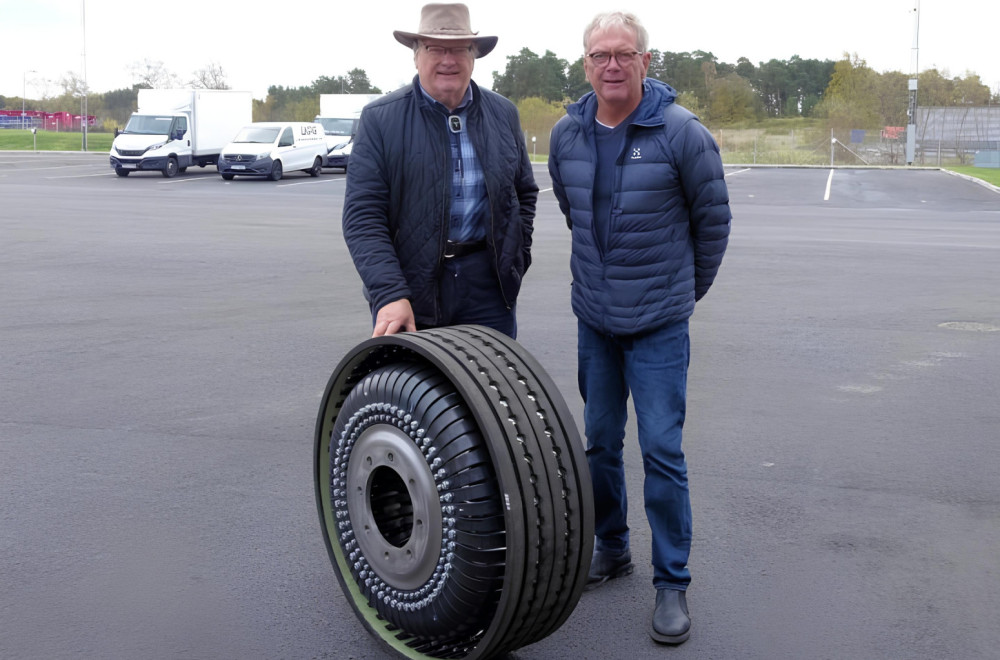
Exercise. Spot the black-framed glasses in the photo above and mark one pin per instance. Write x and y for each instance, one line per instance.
(602, 58)
(455, 123)
(441, 51)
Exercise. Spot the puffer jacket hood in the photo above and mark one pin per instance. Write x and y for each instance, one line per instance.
(655, 95)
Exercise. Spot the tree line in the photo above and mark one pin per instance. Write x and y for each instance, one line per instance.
(724, 94)
(845, 93)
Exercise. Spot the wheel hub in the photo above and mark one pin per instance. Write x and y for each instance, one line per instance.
(392, 502)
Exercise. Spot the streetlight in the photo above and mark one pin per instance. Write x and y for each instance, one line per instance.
(24, 92)
(911, 112)
(83, 108)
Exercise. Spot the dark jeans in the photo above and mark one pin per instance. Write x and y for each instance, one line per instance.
(653, 368)
(470, 294)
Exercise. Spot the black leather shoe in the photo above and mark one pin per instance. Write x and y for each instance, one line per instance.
(671, 623)
(606, 566)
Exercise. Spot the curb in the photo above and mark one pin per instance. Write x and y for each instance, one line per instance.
(985, 184)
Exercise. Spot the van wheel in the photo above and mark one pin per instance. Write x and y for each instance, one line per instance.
(121, 172)
(171, 169)
(317, 167)
(228, 177)
(276, 171)
(453, 493)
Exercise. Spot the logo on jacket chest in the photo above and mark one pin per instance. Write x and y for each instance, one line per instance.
(636, 154)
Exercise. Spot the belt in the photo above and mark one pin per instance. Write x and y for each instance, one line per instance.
(455, 249)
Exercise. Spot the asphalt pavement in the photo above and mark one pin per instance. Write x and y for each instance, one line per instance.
(164, 344)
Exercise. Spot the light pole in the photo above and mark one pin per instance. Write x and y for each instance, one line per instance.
(83, 111)
(911, 111)
(24, 92)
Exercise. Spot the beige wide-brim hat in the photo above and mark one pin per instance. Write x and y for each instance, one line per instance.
(444, 22)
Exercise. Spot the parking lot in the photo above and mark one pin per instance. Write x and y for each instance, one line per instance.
(164, 344)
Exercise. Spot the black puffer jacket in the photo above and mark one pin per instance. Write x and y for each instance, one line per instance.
(398, 199)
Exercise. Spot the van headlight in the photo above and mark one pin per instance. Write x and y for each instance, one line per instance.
(264, 155)
(155, 146)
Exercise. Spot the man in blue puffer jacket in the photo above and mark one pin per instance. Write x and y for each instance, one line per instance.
(440, 194)
(641, 184)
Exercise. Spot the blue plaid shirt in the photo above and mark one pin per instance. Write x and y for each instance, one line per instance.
(469, 201)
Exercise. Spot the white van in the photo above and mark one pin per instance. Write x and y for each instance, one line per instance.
(270, 148)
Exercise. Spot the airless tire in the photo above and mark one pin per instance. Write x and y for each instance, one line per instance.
(453, 493)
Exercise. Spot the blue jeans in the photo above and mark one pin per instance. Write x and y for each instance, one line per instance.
(653, 368)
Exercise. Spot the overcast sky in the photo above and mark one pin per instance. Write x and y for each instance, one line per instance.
(259, 44)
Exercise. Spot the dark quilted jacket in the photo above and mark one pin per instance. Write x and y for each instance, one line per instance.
(670, 215)
(398, 198)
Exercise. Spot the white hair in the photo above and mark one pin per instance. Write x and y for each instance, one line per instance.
(617, 19)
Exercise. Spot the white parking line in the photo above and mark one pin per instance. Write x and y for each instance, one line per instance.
(304, 183)
(78, 176)
(745, 169)
(58, 167)
(188, 180)
(829, 182)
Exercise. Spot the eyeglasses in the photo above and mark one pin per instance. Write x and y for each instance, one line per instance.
(601, 58)
(441, 51)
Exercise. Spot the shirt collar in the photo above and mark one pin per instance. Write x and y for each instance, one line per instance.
(466, 100)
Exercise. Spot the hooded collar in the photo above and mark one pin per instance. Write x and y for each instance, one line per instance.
(656, 96)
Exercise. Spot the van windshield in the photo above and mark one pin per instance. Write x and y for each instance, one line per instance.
(333, 126)
(256, 135)
(148, 125)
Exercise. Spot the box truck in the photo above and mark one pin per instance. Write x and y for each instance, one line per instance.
(174, 129)
(339, 114)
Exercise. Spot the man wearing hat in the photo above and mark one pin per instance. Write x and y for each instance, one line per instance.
(440, 194)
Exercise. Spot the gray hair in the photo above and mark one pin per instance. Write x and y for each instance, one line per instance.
(617, 19)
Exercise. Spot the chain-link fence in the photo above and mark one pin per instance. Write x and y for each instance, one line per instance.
(812, 146)
(944, 136)
(947, 135)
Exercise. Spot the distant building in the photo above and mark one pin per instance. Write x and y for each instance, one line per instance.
(47, 121)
